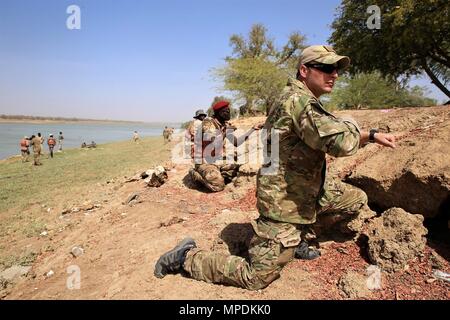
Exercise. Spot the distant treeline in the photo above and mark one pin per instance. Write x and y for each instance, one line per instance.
(22, 117)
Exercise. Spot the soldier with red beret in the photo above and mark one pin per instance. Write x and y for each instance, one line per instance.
(210, 168)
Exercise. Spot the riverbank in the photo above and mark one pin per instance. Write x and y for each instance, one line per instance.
(33, 197)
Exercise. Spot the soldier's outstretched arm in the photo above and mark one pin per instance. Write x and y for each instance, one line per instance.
(240, 140)
(383, 139)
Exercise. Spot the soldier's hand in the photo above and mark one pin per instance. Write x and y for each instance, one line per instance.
(384, 139)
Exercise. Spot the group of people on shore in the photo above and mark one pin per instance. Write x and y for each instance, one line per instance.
(36, 142)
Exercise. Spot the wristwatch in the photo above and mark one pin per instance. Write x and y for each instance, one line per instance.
(372, 135)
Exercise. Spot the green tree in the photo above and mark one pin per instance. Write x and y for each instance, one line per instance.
(256, 72)
(413, 38)
(372, 90)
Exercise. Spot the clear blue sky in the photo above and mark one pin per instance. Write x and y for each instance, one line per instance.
(135, 59)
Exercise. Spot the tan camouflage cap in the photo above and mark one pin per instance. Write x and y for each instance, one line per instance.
(323, 54)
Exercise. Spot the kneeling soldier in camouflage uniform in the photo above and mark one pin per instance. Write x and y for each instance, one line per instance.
(290, 200)
(213, 171)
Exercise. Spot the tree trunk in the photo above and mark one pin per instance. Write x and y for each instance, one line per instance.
(434, 79)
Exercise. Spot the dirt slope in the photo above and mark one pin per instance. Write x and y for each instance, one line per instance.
(122, 243)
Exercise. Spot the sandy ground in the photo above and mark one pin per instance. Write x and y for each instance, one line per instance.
(122, 243)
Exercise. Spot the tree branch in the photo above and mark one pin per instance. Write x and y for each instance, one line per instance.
(440, 60)
(434, 79)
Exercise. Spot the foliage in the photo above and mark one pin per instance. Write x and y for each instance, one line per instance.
(372, 90)
(413, 38)
(257, 71)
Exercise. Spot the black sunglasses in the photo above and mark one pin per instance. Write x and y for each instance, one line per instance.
(327, 68)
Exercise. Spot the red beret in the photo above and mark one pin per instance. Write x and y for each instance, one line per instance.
(220, 104)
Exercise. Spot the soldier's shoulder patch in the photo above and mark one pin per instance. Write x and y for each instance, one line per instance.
(327, 126)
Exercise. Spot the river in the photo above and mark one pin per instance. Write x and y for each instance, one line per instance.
(74, 133)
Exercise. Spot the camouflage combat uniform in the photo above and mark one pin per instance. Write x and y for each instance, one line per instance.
(189, 137)
(289, 201)
(37, 149)
(211, 172)
(166, 135)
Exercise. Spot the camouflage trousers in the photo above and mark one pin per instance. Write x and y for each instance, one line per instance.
(36, 156)
(267, 259)
(214, 177)
(343, 207)
(273, 245)
(25, 155)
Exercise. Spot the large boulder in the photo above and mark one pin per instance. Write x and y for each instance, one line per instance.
(395, 238)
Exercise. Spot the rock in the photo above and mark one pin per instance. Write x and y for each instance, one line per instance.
(49, 274)
(249, 169)
(156, 177)
(437, 261)
(172, 221)
(136, 177)
(43, 233)
(353, 285)
(11, 274)
(394, 238)
(77, 251)
(131, 197)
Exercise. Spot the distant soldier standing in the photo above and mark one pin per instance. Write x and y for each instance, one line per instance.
(171, 130)
(60, 140)
(42, 142)
(36, 143)
(191, 131)
(166, 134)
(24, 145)
(51, 142)
(135, 136)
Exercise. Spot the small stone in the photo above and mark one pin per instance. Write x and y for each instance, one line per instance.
(77, 251)
(50, 273)
(44, 233)
(431, 280)
(49, 209)
(14, 272)
(226, 211)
